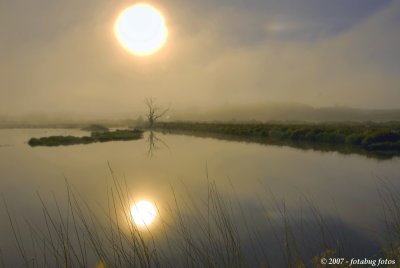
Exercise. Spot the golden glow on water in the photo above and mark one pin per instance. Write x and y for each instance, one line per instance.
(143, 213)
(141, 29)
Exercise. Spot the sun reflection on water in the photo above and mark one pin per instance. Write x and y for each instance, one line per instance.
(143, 213)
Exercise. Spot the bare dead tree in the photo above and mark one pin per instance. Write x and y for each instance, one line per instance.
(154, 112)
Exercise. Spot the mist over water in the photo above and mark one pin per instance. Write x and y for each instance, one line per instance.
(267, 186)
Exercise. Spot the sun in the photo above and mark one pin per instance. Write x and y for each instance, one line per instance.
(143, 213)
(141, 29)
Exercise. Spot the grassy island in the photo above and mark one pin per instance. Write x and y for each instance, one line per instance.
(118, 135)
(381, 138)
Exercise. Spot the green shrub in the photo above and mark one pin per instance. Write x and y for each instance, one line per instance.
(95, 137)
(381, 136)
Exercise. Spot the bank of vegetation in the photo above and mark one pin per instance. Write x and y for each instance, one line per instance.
(371, 137)
(117, 135)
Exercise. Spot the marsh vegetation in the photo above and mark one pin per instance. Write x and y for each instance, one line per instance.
(117, 135)
(211, 230)
(379, 139)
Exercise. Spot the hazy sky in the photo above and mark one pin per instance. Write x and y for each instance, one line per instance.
(62, 57)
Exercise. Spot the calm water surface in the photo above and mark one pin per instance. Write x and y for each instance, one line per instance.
(342, 187)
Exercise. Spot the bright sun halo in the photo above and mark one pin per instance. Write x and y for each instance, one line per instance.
(143, 213)
(141, 29)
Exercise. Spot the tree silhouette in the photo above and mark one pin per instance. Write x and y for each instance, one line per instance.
(154, 112)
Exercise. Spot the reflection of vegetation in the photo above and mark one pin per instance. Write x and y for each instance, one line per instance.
(154, 144)
(205, 233)
(95, 128)
(378, 140)
(118, 135)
